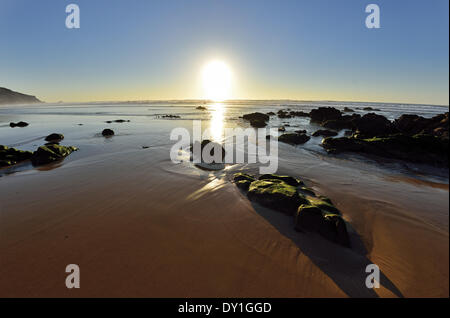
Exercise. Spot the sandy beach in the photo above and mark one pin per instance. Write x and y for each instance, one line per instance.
(139, 225)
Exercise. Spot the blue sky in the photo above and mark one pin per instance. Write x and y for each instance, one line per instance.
(309, 50)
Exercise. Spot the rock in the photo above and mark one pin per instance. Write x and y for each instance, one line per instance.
(213, 147)
(276, 194)
(107, 132)
(19, 124)
(287, 179)
(257, 120)
(50, 153)
(325, 133)
(288, 195)
(414, 124)
(344, 122)
(371, 109)
(303, 131)
(298, 114)
(348, 110)
(256, 123)
(256, 116)
(271, 113)
(329, 225)
(371, 125)
(243, 180)
(418, 148)
(171, 116)
(200, 108)
(294, 138)
(322, 114)
(283, 114)
(12, 156)
(54, 137)
(282, 129)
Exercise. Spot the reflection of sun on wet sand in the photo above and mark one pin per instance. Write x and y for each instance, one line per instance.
(139, 225)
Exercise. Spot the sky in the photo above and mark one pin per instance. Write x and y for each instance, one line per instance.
(275, 49)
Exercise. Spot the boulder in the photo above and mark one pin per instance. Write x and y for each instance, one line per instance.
(294, 138)
(298, 114)
(283, 114)
(276, 194)
(107, 132)
(348, 110)
(257, 120)
(371, 125)
(12, 156)
(54, 137)
(212, 146)
(50, 153)
(19, 124)
(322, 114)
(420, 148)
(200, 108)
(311, 218)
(325, 133)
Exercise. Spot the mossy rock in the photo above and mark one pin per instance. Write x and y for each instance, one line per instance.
(11, 156)
(50, 153)
(243, 176)
(276, 194)
(331, 226)
(289, 180)
(324, 204)
(307, 191)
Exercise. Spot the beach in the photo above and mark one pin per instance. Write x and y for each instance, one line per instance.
(139, 225)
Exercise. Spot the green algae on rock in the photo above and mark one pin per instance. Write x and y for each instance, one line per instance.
(288, 179)
(50, 153)
(289, 195)
(276, 194)
(12, 156)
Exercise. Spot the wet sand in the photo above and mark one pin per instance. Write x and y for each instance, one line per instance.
(139, 225)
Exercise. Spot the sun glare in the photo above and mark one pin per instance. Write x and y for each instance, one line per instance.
(216, 81)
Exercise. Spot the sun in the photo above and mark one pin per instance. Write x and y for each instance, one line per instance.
(216, 81)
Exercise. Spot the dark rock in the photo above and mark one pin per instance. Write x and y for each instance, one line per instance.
(243, 180)
(325, 133)
(344, 122)
(294, 138)
(281, 129)
(171, 116)
(298, 114)
(11, 156)
(54, 137)
(271, 113)
(107, 132)
(329, 225)
(19, 124)
(257, 120)
(371, 109)
(200, 108)
(348, 110)
(212, 146)
(303, 131)
(322, 114)
(50, 153)
(371, 125)
(283, 114)
(288, 195)
(414, 124)
(419, 148)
